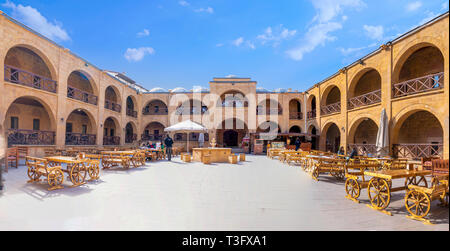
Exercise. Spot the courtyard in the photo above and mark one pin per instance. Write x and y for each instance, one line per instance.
(257, 195)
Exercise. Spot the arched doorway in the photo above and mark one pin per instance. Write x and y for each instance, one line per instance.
(366, 89)
(420, 69)
(226, 131)
(131, 107)
(154, 131)
(314, 140)
(80, 86)
(333, 138)
(418, 134)
(29, 121)
(230, 138)
(295, 110)
(130, 135)
(80, 128)
(39, 74)
(312, 113)
(111, 132)
(112, 100)
(295, 129)
(363, 137)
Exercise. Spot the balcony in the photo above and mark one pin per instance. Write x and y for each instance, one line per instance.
(80, 95)
(30, 137)
(22, 77)
(311, 114)
(132, 113)
(152, 137)
(111, 141)
(78, 139)
(262, 111)
(365, 100)
(330, 109)
(155, 111)
(113, 106)
(296, 115)
(130, 138)
(417, 151)
(419, 85)
(363, 149)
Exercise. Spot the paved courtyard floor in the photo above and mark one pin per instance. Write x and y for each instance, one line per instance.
(260, 194)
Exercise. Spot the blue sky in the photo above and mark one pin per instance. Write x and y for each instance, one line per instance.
(170, 43)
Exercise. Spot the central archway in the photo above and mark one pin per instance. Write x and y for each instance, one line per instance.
(227, 130)
(231, 138)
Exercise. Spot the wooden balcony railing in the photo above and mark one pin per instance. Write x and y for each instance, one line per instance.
(152, 137)
(22, 77)
(235, 104)
(296, 115)
(78, 139)
(111, 140)
(418, 85)
(417, 151)
(364, 100)
(130, 138)
(155, 111)
(113, 106)
(312, 114)
(267, 111)
(132, 113)
(363, 149)
(191, 111)
(80, 95)
(330, 109)
(30, 137)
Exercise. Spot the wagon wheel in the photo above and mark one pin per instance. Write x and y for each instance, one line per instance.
(51, 164)
(94, 171)
(55, 178)
(78, 174)
(379, 193)
(106, 165)
(340, 175)
(315, 173)
(417, 203)
(353, 188)
(416, 181)
(33, 174)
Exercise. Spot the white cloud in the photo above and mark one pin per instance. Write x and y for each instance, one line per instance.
(238, 41)
(137, 54)
(413, 6)
(219, 45)
(242, 42)
(348, 51)
(374, 32)
(34, 19)
(183, 3)
(269, 36)
(144, 33)
(323, 24)
(207, 10)
(316, 35)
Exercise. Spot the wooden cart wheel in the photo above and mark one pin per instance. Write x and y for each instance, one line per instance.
(417, 203)
(340, 175)
(353, 188)
(55, 178)
(33, 174)
(94, 171)
(416, 181)
(78, 174)
(379, 193)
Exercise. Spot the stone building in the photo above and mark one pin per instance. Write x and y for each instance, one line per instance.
(53, 98)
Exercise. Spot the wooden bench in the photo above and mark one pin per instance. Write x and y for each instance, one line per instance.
(39, 167)
(115, 159)
(333, 167)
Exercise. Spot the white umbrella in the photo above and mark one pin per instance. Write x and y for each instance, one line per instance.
(188, 127)
(382, 143)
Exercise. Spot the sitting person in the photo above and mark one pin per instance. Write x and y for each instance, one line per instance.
(341, 151)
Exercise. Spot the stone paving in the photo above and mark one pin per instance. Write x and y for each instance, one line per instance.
(260, 194)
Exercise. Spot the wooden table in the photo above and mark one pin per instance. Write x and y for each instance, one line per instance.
(218, 155)
(159, 153)
(76, 168)
(380, 186)
(134, 157)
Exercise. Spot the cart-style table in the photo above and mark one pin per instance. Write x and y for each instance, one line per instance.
(76, 168)
(380, 186)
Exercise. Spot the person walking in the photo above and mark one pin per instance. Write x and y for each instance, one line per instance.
(169, 143)
(297, 144)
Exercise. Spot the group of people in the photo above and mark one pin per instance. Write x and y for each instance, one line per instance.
(167, 144)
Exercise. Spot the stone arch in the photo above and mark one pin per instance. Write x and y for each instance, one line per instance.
(155, 107)
(363, 129)
(130, 132)
(230, 132)
(153, 131)
(295, 129)
(112, 96)
(331, 137)
(84, 81)
(80, 128)
(233, 98)
(331, 95)
(365, 81)
(265, 107)
(112, 131)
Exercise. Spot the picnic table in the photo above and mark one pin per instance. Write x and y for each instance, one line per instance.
(125, 158)
(380, 186)
(76, 168)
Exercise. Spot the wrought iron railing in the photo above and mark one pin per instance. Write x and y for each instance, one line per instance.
(22, 77)
(330, 109)
(312, 114)
(132, 113)
(30, 137)
(113, 106)
(296, 115)
(79, 139)
(155, 111)
(130, 138)
(267, 111)
(80, 95)
(417, 151)
(418, 85)
(152, 137)
(363, 149)
(111, 140)
(364, 100)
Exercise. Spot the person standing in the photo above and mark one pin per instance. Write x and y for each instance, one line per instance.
(169, 143)
(297, 144)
